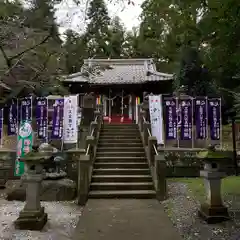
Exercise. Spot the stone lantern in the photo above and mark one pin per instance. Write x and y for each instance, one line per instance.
(33, 217)
(213, 210)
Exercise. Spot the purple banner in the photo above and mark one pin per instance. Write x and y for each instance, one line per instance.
(26, 109)
(201, 118)
(42, 118)
(57, 127)
(1, 125)
(13, 118)
(186, 114)
(214, 111)
(171, 119)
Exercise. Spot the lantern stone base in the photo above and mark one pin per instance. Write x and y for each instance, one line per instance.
(213, 214)
(31, 220)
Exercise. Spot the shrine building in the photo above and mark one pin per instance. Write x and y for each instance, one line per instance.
(119, 84)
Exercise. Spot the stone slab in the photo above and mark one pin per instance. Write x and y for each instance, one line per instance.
(118, 219)
(34, 221)
(213, 214)
(52, 190)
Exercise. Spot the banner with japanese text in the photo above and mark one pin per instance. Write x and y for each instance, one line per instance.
(42, 117)
(24, 145)
(171, 118)
(26, 109)
(201, 117)
(156, 117)
(57, 125)
(13, 118)
(214, 115)
(186, 114)
(70, 128)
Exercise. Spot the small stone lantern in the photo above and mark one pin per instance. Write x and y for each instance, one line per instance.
(33, 217)
(213, 210)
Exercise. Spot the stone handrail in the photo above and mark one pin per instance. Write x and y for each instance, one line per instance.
(156, 161)
(87, 159)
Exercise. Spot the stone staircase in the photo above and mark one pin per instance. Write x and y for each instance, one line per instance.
(121, 169)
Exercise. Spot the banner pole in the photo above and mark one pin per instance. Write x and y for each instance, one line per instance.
(192, 131)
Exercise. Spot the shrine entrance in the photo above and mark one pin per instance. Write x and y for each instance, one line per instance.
(118, 108)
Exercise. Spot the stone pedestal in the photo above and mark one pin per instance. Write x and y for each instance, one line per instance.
(33, 217)
(213, 210)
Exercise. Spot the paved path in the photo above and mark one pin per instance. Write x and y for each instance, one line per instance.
(120, 219)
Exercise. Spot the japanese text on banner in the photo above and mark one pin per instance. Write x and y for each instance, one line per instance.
(57, 128)
(171, 119)
(186, 119)
(26, 109)
(70, 129)
(201, 117)
(156, 117)
(12, 118)
(215, 118)
(42, 118)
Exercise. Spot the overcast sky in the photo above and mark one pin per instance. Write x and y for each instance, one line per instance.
(71, 16)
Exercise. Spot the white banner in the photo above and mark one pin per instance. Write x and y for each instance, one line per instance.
(70, 128)
(156, 117)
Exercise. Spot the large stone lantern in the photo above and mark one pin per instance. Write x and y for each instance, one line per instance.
(213, 210)
(33, 217)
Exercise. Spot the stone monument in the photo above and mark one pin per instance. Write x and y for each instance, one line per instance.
(33, 216)
(213, 210)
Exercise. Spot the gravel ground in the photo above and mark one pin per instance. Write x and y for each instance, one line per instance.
(62, 219)
(182, 209)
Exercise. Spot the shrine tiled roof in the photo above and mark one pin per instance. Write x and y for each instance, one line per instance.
(118, 71)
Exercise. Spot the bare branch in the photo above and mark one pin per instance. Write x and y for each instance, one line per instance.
(31, 48)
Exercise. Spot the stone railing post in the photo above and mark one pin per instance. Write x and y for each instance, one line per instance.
(90, 140)
(73, 156)
(161, 182)
(99, 119)
(93, 126)
(83, 179)
(33, 217)
(146, 126)
(151, 142)
(142, 115)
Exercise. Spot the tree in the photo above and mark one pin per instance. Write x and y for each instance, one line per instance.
(116, 40)
(97, 33)
(76, 50)
(30, 56)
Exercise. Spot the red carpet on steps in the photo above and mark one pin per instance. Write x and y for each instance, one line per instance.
(118, 119)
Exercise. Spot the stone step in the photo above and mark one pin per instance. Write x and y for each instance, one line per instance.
(116, 141)
(125, 136)
(115, 159)
(120, 149)
(123, 171)
(121, 178)
(128, 165)
(121, 186)
(124, 130)
(121, 154)
(127, 125)
(124, 144)
(123, 194)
